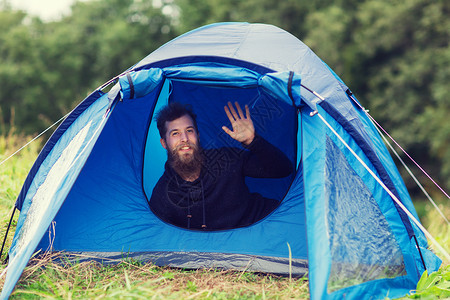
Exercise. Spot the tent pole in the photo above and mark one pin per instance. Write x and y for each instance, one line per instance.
(420, 252)
(7, 230)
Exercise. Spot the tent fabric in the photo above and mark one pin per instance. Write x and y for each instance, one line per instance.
(192, 260)
(345, 196)
(52, 183)
(52, 141)
(333, 220)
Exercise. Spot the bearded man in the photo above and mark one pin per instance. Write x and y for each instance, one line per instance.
(205, 189)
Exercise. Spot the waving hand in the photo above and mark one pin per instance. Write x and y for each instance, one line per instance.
(243, 129)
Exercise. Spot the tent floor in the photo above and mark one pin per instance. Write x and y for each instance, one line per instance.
(197, 260)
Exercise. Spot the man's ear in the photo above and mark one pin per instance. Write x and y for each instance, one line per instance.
(163, 143)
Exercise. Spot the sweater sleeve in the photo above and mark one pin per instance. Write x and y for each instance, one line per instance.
(264, 160)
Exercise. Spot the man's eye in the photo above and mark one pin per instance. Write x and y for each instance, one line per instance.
(174, 133)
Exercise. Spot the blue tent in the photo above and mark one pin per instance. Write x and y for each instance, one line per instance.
(88, 190)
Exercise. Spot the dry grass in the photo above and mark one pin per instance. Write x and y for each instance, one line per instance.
(45, 278)
(437, 226)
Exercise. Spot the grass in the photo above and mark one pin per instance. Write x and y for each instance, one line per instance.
(45, 278)
(12, 175)
(134, 280)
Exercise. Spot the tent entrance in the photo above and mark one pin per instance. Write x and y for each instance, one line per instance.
(274, 120)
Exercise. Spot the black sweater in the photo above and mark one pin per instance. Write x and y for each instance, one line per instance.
(219, 198)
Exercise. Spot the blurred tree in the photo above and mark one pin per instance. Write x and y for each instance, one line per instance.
(286, 14)
(408, 66)
(393, 54)
(18, 66)
(47, 68)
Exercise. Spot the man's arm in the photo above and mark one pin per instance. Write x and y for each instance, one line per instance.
(264, 160)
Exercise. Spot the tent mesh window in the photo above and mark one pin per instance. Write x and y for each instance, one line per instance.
(362, 246)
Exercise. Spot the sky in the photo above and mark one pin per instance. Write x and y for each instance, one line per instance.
(52, 10)
(46, 9)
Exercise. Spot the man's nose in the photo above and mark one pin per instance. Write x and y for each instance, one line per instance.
(184, 137)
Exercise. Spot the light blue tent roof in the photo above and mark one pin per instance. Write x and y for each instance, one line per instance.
(258, 44)
(91, 172)
(236, 41)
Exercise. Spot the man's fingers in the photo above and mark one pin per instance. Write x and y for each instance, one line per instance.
(247, 111)
(233, 111)
(229, 115)
(227, 130)
(241, 113)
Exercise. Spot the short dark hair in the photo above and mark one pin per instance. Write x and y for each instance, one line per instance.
(173, 111)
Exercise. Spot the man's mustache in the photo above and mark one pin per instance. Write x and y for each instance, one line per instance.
(190, 145)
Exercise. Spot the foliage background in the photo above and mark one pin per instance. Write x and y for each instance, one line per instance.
(394, 55)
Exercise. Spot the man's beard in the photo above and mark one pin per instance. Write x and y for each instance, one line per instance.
(186, 165)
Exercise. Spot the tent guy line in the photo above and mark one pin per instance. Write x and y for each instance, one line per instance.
(35, 138)
(409, 171)
(316, 112)
(401, 148)
(426, 174)
(72, 163)
(378, 127)
(440, 248)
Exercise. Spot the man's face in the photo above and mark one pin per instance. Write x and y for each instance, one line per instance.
(181, 139)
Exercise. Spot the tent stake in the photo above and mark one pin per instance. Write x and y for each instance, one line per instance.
(7, 230)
